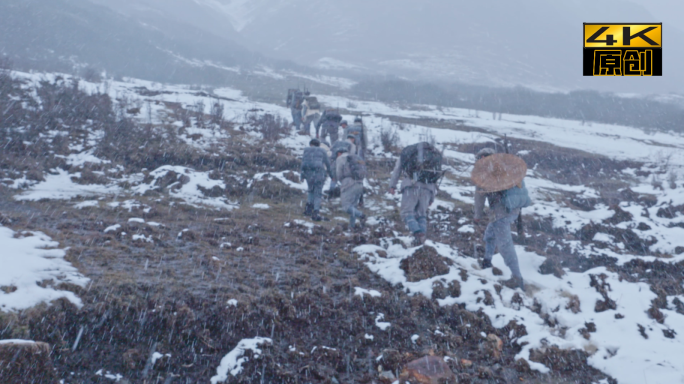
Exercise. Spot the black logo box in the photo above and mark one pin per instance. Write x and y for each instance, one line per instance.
(588, 59)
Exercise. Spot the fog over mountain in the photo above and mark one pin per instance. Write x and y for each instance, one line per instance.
(535, 43)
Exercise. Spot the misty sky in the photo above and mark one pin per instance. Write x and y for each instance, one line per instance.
(670, 12)
(485, 42)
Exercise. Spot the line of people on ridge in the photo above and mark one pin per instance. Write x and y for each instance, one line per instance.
(306, 110)
(498, 178)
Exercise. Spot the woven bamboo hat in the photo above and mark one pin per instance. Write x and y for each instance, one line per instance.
(499, 172)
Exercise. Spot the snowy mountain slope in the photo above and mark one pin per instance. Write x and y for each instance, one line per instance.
(601, 238)
(528, 42)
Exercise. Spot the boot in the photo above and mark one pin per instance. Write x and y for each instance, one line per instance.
(308, 210)
(485, 263)
(515, 282)
(317, 217)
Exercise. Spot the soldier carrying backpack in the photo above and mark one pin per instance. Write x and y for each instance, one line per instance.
(420, 168)
(311, 111)
(295, 102)
(498, 178)
(360, 136)
(315, 168)
(330, 122)
(350, 172)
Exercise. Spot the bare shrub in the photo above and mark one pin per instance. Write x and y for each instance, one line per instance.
(217, 113)
(351, 105)
(6, 65)
(389, 138)
(428, 137)
(271, 127)
(656, 182)
(672, 179)
(91, 75)
(198, 109)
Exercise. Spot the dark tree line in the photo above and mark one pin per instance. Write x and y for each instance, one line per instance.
(577, 105)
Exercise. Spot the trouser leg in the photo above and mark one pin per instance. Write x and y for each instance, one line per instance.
(423, 203)
(317, 195)
(333, 135)
(409, 201)
(498, 234)
(297, 118)
(349, 199)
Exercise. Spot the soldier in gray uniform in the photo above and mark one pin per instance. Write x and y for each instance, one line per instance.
(315, 168)
(296, 108)
(416, 198)
(498, 231)
(351, 188)
(360, 137)
(330, 124)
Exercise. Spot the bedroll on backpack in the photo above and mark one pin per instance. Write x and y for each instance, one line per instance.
(339, 145)
(515, 198)
(423, 162)
(298, 99)
(313, 159)
(357, 166)
(333, 116)
(313, 103)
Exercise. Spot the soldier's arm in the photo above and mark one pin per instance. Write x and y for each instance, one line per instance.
(479, 203)
(326, 162)
(339, 171)
(396, 173)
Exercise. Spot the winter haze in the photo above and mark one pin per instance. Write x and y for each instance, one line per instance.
(535, 43)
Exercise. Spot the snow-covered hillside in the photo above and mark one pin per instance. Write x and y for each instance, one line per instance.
(604, 233)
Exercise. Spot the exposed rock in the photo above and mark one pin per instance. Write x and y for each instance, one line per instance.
(493, 346)
(428, 370)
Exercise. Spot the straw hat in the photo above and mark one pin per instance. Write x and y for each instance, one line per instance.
(499, 172)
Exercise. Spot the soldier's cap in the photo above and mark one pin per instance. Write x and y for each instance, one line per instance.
(315, 142)
(344, 122)
(341, 150)
(351, 135)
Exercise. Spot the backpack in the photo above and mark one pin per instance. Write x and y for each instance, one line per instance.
(290, 95)
(298, 99)
(336, 147)
(333, 116)
(313, 103)
(515, 198)
(313, 158)
(424, 161)
(357, 166)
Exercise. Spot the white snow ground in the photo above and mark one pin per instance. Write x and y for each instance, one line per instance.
(617, 347)
(29, 259)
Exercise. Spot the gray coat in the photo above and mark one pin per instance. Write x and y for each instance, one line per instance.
(359, 132)
(496, 204)
(315, 174)
(328, 125)
(407, 182)
(344, 174)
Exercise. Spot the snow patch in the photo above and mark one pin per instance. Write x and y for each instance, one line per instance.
(232, 362)
(29, 259)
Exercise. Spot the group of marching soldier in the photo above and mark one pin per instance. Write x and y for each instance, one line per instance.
(498, 178)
